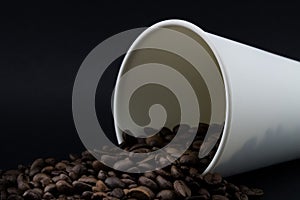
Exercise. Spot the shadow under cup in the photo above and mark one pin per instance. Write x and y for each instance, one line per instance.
(172, 76)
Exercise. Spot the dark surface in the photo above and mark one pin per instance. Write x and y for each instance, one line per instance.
(42, 47)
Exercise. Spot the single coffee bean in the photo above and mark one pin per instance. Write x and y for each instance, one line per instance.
(150, 175)
(114, 182)
(176, 173)
(163, 183)
(141, 192)
(123, 164)
(132, 186)
(117, 192)
(100, 186)
(148, 183)
(155, 141)
(60, 166)
(23, 182)
(111, 173)
(88, 180)
(102, 175)
(79, 169)
(188, 159)
(87, 195)
(51, 188)
(182, 189)
(36, 166)
(163, 173)
(63, 187)
(81, 186)
(47, 169)
(127, 181)
(166, 195)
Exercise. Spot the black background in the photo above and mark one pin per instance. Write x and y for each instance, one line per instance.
(42, 47)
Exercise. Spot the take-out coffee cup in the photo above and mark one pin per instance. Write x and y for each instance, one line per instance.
(176, 73)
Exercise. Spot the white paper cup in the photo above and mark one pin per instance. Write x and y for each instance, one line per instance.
(253, 93)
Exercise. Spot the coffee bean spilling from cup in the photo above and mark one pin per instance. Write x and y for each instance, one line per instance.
(84, 177)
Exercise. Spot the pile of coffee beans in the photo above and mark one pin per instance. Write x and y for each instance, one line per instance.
(84, 177)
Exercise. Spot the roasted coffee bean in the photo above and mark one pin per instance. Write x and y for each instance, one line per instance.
(166, 195)
(155, 141)
(176, 173)
(100, 186)
(117, 192)
(182, 189)
(87, 195)
(188, 159)
(141, 192)
(23, 182)
(79, 169)
(114, 182)
(123, 164)
(60, 166)
(36, 166)
(102, 175)
(50, 188)
(47, 169)
(111, 173)
(88, 180)
(163, 183)
(63, 187)
(132, 186)
(163, 173)
(150, 175)
(148, 183)
(81, 186)
(127, 181)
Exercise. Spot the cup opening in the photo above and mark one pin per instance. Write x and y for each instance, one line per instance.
(173, 75)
